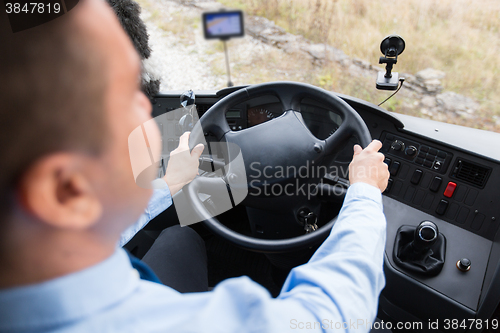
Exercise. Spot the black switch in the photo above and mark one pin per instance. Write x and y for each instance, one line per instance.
(398, 145)
(437, 165)
(411, 151)
(417, 174)
(394, 168)
(389, 185)
(436, 182)
(441, 208)
(387, 161)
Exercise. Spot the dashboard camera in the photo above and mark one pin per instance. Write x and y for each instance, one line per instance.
(391, 47)
(223, 25)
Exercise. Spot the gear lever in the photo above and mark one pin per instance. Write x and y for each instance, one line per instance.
(421, 249)
(426, 236)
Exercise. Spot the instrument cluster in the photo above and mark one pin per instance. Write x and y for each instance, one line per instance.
(321, 122)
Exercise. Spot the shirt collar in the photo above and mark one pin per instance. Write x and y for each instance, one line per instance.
(68, 298)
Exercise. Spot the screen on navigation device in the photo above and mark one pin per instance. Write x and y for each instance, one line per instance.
(223, 24)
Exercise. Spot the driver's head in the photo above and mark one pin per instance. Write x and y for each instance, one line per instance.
(69, 97)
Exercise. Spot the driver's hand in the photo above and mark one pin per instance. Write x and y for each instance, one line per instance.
(183, 165)
(368, 166)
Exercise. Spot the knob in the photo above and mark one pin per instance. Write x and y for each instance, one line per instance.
(398, 145)
(426, 235)
(463, 264)
(437, 165)
(318, 148)
(411, 151)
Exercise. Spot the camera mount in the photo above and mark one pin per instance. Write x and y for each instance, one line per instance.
(391, 47)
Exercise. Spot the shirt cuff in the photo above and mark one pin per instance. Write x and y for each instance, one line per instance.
(159, 202)
(159, 184)
(364, 190)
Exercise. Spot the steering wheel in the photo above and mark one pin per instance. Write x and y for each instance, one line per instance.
(284, 141)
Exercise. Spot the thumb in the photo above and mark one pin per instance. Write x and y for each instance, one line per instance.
(196, 152)
(357, 150)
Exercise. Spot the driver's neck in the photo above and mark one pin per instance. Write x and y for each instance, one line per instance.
(32, 253)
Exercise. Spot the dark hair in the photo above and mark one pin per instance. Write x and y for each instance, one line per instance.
(129, 15)
(52, 90)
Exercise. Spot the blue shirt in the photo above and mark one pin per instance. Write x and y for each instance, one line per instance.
(338, 288)
(160, 200)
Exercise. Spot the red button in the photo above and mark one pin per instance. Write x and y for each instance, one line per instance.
(450, 188)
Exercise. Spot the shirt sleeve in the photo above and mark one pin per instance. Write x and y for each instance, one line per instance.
(343, 279)
(160, 201)
(337, 290)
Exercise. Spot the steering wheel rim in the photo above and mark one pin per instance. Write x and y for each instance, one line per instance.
(290, 94)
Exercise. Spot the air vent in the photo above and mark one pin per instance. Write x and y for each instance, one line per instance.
(202, 108)
(471, 173)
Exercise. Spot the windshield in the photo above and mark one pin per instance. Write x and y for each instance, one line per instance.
(450, 63)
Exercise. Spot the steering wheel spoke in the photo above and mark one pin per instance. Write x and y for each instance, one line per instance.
(337, 140)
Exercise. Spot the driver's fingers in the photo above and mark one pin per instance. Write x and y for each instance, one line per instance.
(184, 141)
(357, 150)
(196, 152)
(374, 146)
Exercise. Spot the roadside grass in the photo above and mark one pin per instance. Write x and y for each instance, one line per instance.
(459, 37)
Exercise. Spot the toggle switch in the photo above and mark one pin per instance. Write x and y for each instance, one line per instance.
(450, 188)
(436, 182)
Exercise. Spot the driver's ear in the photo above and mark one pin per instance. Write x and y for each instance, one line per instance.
(58, 193)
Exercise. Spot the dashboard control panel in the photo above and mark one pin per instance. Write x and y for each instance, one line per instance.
(434, 180)
(422, 155)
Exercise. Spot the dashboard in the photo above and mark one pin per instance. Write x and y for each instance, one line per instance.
(442, 173)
